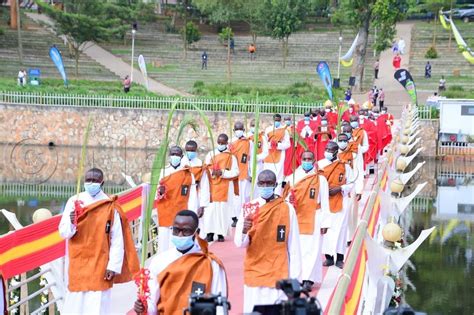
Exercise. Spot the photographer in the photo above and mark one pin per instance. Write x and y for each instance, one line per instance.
(182, 270)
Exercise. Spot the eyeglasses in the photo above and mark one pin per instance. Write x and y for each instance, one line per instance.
(185, 231)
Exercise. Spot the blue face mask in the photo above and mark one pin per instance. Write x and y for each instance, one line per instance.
(222, 147)
(349, 135)
(175, 160)
(277, 124)
(239, 133)
(307, 166)
(354, 124)
(182, 242)
(307, 118)
(288, 122)
(92, 188)
(328, 155)
(266, 192)
(191, 155)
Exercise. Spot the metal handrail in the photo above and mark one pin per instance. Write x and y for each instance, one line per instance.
(29, 297)
(36, 276)
(45, 306)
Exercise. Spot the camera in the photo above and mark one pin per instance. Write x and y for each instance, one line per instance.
(207, 304)
(296, 303)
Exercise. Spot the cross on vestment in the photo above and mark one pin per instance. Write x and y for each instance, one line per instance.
(199, 291)
(282, 233)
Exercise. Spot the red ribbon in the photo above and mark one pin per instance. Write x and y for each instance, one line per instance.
(141, 280)
(78, 210)
(293, 198)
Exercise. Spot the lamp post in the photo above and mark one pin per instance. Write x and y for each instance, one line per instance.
(18, 25)
(133, 51)
(339, 59)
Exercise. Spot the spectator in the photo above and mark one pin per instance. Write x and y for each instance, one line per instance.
(381, 98)
(126, 84)
(22, 77)
(401, 46)
(232, 46)
(375, 94)
(252, 50)
(348, 94)
(204, 60)
(376, 69)
(395, 47)
(442, 84)
(427, 70)
(396, 62)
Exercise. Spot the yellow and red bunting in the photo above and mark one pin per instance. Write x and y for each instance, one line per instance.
(40, 243)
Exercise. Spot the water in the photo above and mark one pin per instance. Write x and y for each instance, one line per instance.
(443, 274)
(41, 177)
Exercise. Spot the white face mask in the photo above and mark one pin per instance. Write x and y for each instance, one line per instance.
(239, 133)
(252, 130)
(222, 147)
(342, 145)
(328, 155)
(175, 160)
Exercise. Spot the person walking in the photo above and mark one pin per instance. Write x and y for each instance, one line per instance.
(427, 70)
(348, 95)
(442, 84)
(232, 46)
(204, 60)
(381, 98)
(252, 49)
(376, 69)
(396, 62)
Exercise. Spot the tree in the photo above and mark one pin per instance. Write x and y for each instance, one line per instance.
(360, 14)
(190, 34)
(434, 6)
(252, 13)
(222, 12)
(88, 20)
(284, 18)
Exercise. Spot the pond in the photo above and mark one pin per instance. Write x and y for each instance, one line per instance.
(440, 283)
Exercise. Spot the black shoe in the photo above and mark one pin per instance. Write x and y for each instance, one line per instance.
(220, 238)
(234, 222)
(340, 264)
(210, 237)
(349, 243)
(328, 262)
(307, 285)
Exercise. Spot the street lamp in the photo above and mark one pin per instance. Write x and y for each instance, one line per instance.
(133, 51)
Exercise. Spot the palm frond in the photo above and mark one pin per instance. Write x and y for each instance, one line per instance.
(187, 121)
(255, 148)
(80, 171)
(208, 126)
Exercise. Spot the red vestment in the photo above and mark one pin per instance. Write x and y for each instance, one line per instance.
(371, 130)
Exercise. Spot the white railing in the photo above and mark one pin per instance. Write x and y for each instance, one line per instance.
(456, 149)
(154, 103)
(424, 113)
(47, 190)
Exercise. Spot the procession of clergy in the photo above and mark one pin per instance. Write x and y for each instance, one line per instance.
(304, 206)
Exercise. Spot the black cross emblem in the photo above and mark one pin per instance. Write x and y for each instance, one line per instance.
(341, 177)
(281, 233)
(244, 158)
(198, 288)
(184, 190)
(312, 193)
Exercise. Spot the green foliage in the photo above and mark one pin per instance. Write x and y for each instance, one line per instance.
(220, 11)
(226, 34)
(456, 91)
(284, 16)
(431, 53)
(298, 92)
(191, 33)
(386, 14)
(2, 31)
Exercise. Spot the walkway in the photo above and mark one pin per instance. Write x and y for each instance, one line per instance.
(395, 95)
(111, 62)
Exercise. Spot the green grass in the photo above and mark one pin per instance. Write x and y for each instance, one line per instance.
(298, 92)
(75, 87)
(164, 68)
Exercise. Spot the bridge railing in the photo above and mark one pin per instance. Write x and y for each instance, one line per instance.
(152, 103)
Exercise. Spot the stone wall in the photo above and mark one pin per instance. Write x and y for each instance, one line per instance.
(429, 137)
(112, 128)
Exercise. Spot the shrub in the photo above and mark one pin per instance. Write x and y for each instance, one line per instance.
(431, 53)
(2, 31)
(170, 28)
(456, 88)
(192, 33)
(224, 34)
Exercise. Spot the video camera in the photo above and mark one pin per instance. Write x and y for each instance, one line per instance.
(207, 304)
(295, 305)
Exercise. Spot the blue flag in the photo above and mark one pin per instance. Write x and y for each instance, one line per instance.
(323, 71)
(58, 61)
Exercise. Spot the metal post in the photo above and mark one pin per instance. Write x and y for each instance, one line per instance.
(133, 51)
(18, 27)
(339, 59)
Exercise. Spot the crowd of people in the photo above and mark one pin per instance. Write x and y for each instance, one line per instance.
(299, 218)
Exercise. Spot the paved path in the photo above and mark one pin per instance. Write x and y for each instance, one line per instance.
(395, 95)
(113, 63)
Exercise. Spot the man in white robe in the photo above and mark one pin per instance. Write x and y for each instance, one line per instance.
(175, 165)
(262, 295)
(311, 244)
(217, 216)
(278, 141)
(185, 227)
(91, 302)
(335, 241)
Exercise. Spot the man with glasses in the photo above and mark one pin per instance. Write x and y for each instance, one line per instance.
(184, 269)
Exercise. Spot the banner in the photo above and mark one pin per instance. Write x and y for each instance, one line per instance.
(58, 61)
(406, 80)
(323, 71)
(142, 65)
